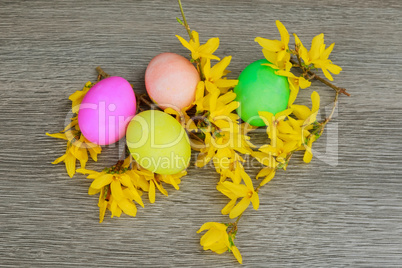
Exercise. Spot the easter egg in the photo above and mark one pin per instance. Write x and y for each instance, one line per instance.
(106, 110)
(158, 142)
(171, 81)
(260, 89)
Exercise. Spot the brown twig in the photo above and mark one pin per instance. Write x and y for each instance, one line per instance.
(196, 137)
(101, 73)
(320, 129)
(319, 78)
(141, 98)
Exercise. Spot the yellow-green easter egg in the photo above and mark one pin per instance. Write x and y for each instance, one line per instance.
(158, 142)
(260, 89)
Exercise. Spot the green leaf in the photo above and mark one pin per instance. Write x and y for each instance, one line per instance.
(179, 21)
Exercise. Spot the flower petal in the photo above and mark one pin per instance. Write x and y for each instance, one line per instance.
(315, 99)
(301, 111)
(335, 69)
(102, 181)
(255, 200)
(308, 155)
(316, 43)
(92, 191)
(151, 193)
(269, 177)
(239, 208)
(304, 83)
(102, 210)
(128, 207)
(226, 210)
(271, 45)
(58, 160)
(209, 47)
(185, 43)
(218, 69)
(57, 135)
(237, 254)
(239, 190)
(283, 32)
(70, 164)
(117, 192)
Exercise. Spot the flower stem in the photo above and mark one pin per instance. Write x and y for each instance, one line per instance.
(195, 136)
(337, 89)
(197, 61)
(141, 98)
(319, 78)
(320, 129)
(184, 20)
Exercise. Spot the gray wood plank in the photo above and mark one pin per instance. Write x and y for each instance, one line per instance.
(343, 209)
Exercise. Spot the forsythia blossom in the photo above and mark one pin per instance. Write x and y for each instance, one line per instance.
(218, 240)
(120, 185)
(277, 51)
(206, 50)
(77, 147)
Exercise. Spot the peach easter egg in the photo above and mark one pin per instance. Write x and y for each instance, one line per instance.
(171, 81)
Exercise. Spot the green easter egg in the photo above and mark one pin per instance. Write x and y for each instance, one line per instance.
(260, 89)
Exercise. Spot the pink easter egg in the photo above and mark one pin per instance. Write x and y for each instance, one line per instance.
(106, 110)
(171, 81)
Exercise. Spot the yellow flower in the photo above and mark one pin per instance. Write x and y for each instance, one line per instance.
(215, 74)
(325, 64)
(221, 147)
(295, 81)
(280, 47)
(69, 160)
(173, 179)
(77, 147)
(308, 154)
(308, 116)
(291, 130)
(267, 159)
(152, 181)
(234, 191)
(302, 50)
(268, 173)
(116, 188)
(218, 240)
(314, 52)
(279, 149)
(197, 51)
(77, 97)
(199, 96)
(315, 49)
(275, 51)
(272, 121)
(223, 134)
(318, 55)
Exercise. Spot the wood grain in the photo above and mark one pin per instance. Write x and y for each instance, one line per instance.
(343, 209)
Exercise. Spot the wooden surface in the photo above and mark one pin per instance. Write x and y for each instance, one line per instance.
(343, 209)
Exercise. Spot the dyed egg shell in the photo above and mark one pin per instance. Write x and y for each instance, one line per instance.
(106, 110)
(171, 81)
(260, 89)
(158, 142)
